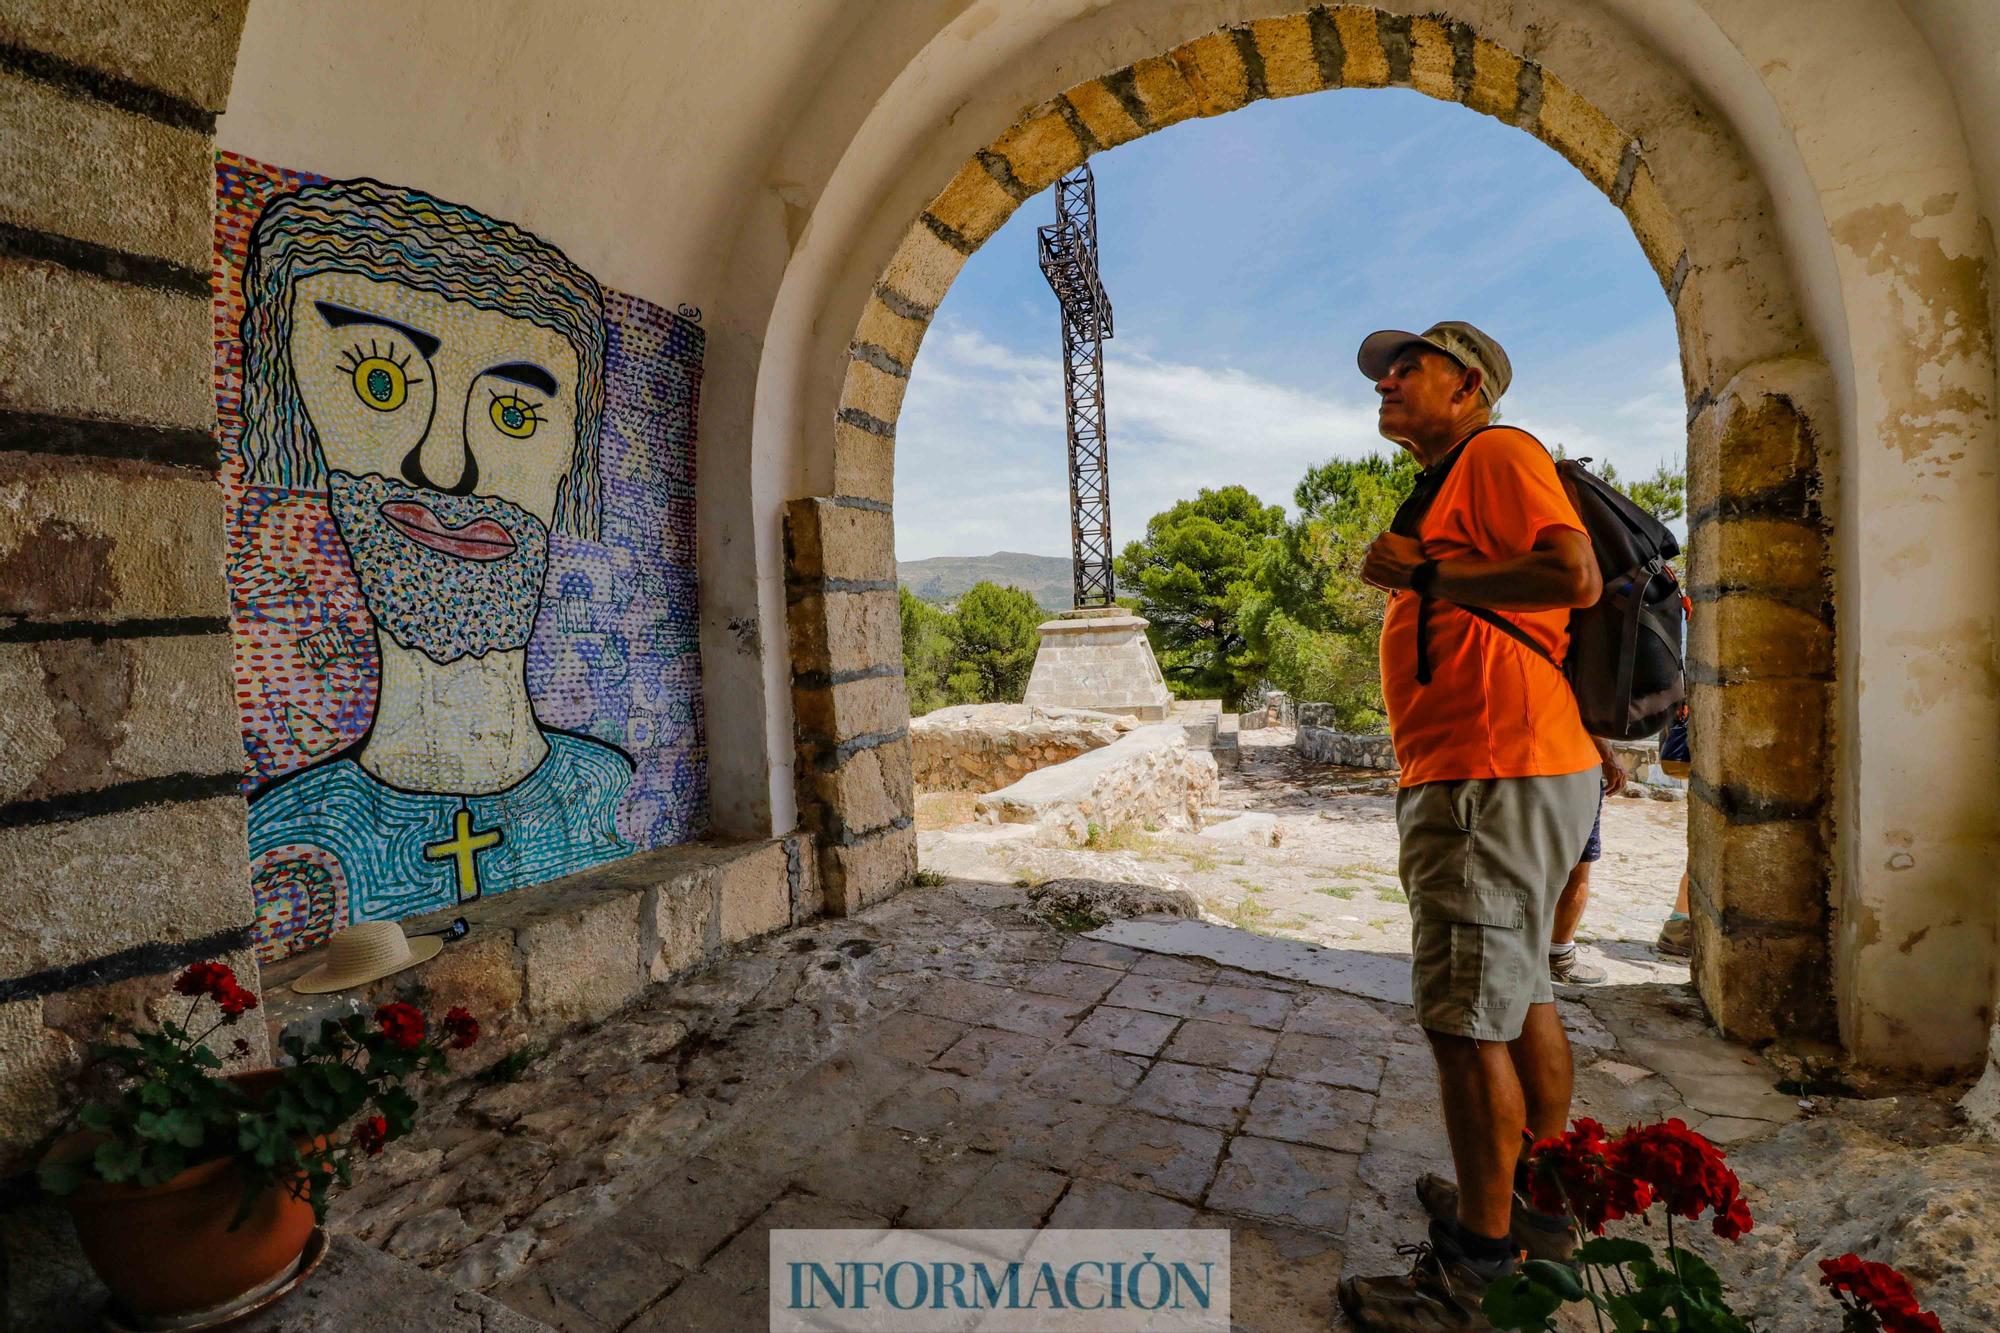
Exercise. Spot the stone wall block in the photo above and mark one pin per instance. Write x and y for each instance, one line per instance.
(36, 1066)
(74, 345)
(755, 893)
(898, 335)
(1765, 737)
(1432, 60)
(1759, 875)
(680, 921)
(851, 708)
(973, 204)
(922, 269)
(868, 789)
(185, 48)
(1364, 65)
(1746, 635)
(1213, 69)
(864, 464)
(95, 540)
(480, 974)
(858, 876)
(1102, 114)
(80, 889)
(1163, 92)
(1746, 444)
(1758, 987)
(83, 714)
(581, 957)
(1040, 148)
(1291, 67)
(844, 631)
(1496, 80)
(835, 541)
(1580, 132)
(148, 184)
(1768, 555)
(1658, 230)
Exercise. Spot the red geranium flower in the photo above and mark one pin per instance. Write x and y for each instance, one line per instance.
(371, 1134)
(1686, 1173)
(1574, 1173)
(462, 1028)
(219, 984)
(1879, 1289)
(402, 1024)
(205, 979)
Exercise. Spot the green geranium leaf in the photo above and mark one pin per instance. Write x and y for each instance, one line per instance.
(1696, 1274)
(96, 1116)
(1559, 1278)
(1612, 1250)
(1519, 1304)
(116, 1160)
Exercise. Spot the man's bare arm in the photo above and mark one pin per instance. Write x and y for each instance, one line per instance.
(1558, 571)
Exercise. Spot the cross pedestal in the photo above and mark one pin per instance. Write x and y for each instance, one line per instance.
(1098, 657)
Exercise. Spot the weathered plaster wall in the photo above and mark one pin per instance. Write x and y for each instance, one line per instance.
(121, 835)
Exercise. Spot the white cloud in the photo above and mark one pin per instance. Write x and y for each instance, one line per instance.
(981, 446)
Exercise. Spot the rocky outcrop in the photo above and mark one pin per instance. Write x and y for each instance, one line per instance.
(1147, 777)
(984, 747)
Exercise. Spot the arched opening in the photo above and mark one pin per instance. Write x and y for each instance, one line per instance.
(1762, 646)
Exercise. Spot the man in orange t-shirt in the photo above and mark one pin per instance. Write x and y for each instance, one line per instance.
(1499, 786)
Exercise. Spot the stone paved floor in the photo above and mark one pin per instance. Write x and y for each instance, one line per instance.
(945, 1060)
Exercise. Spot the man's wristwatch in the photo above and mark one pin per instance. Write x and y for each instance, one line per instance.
(1423, 576)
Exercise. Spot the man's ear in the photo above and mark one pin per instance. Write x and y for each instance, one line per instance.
(1473, 381)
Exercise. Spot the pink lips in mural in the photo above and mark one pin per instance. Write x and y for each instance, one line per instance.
(481, 539)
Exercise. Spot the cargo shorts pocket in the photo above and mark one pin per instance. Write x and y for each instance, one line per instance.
(1463, 952)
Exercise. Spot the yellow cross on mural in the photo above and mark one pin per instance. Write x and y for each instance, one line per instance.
(464, 847)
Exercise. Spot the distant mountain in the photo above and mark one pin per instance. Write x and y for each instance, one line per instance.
(943, 578)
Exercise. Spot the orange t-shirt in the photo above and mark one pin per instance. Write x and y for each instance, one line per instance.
(1492, 709)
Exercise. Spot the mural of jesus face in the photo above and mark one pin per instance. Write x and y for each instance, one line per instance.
(446, 430)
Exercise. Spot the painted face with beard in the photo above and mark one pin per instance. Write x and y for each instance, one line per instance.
(448, 576)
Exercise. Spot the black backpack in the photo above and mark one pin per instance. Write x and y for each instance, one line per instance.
(1624, 660)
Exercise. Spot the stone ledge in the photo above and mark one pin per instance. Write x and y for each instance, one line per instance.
(1147, 776)
(542, 959)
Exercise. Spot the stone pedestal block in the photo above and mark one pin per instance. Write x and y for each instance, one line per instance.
(1099, 659)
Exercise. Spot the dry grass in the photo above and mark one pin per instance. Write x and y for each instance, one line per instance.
(1392, 895)
(945, 809)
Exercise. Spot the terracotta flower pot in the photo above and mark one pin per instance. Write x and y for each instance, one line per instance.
(168, 1250)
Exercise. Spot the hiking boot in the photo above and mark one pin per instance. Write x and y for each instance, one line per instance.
(1676, 938)
(1569, 969)
(1440, 1294)
(1538, 1235)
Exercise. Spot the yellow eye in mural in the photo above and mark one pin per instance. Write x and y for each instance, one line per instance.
(380, 381)
(514, 416)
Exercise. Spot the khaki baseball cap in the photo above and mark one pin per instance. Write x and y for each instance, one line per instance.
(1456, 339)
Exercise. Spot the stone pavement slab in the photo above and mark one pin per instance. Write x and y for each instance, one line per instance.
(359, 1287)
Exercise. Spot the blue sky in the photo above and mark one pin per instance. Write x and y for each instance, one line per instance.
(1246, 257)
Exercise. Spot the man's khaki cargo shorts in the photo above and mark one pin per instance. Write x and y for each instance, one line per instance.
(1483, 862)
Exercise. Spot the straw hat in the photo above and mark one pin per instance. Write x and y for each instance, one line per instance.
(366, 951)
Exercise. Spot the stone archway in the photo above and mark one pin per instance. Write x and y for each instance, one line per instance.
(1762, 644)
